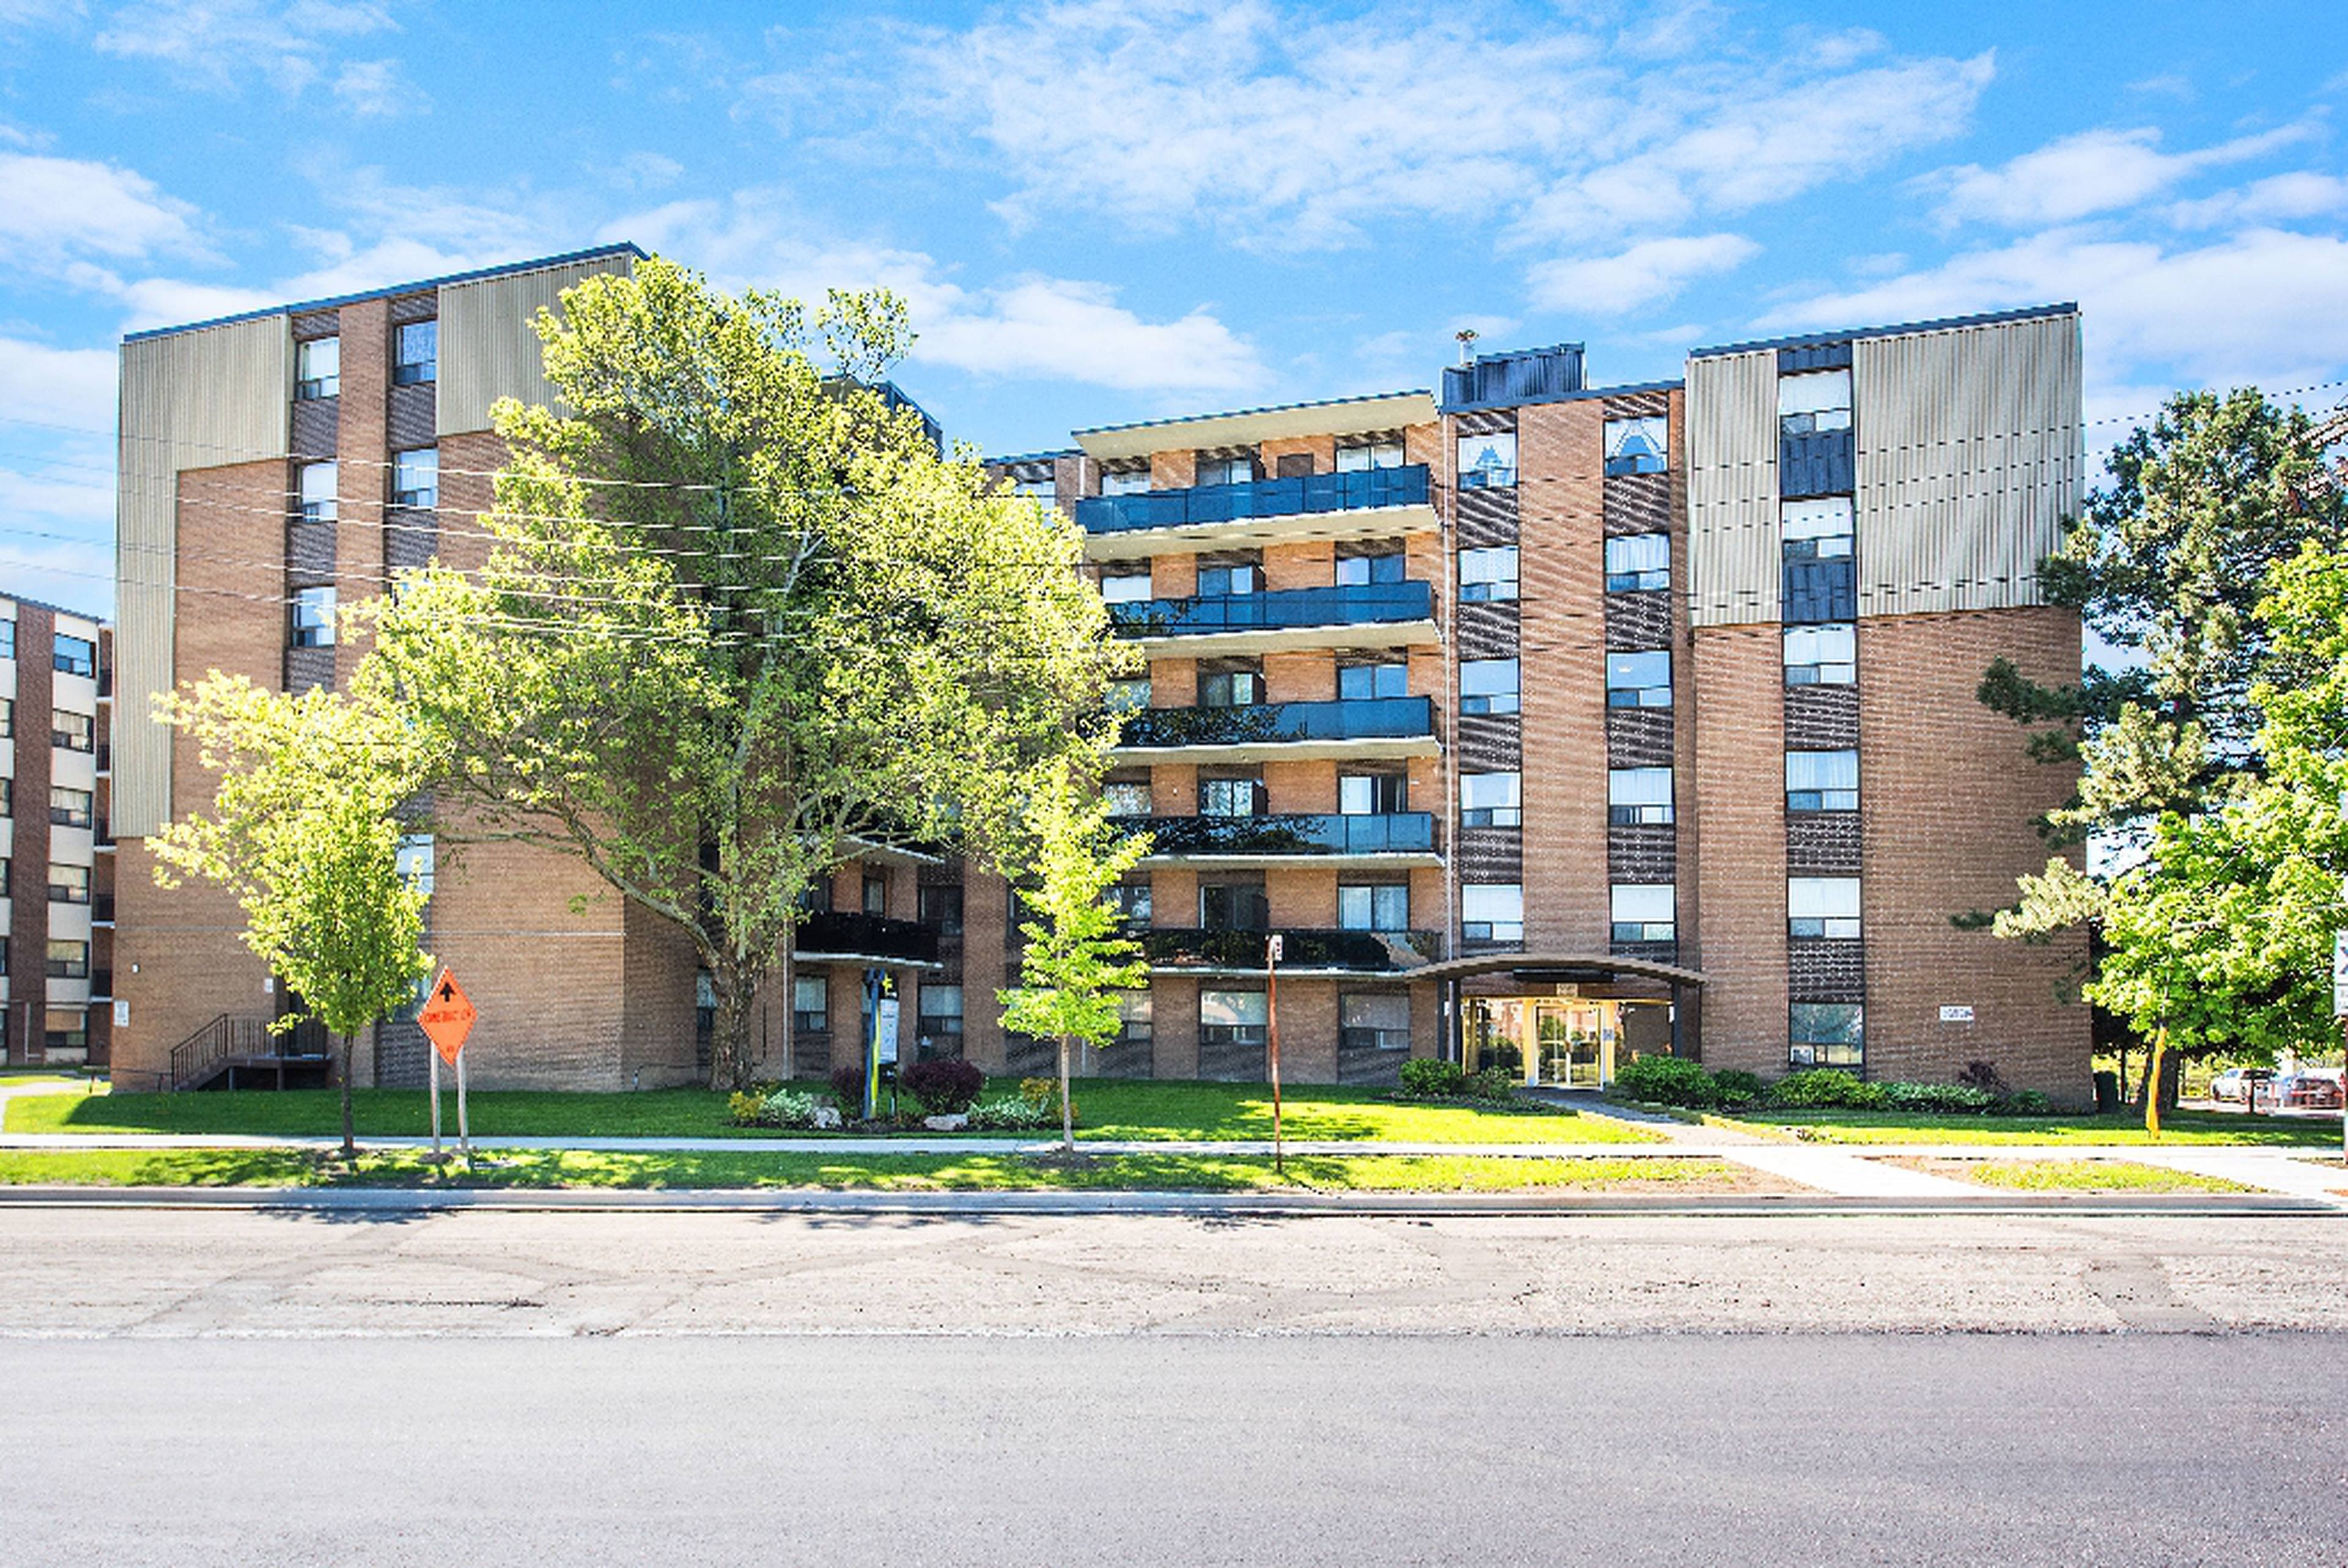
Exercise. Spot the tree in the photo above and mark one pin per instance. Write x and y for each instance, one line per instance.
(740, 620)
(304, 831)
(1078, 955)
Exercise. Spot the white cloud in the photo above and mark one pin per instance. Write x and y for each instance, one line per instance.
(375, 89)
(2279, 196)
(68, 386)
(643, 172)
(1647, 273)
(2093, 171)
(221, 44)
(54, 208)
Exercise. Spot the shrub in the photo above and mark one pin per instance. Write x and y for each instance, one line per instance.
(1012, 1113)
(744, 1109)
(1492, 1083)
(2022, 1103)
(1424, 1078)
(943, 1087)
(788, 1108)
(1960, 1099)
(1984, 1076)
(1666, 1081)
(1044, 1094)
(847, 1088)
(1738, 1088)
(1823, 1086)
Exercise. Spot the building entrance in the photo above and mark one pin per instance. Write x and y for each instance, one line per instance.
(1563, 1042)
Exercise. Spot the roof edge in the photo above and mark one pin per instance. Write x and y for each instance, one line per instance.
(1852, 334)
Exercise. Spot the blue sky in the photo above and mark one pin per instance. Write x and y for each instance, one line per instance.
(1109, 209)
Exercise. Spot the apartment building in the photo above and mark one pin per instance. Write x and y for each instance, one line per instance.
(56, 855)
(1543, 723)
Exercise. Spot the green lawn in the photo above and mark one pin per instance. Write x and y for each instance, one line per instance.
(880, 1173)
(2076, 1176)
(1112, 1109)
(2181, 1128)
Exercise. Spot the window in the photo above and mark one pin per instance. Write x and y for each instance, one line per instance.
(416, 477)
(1492, 912)
(1821, 579)
(416, 357)
(73, 731)
(1134, 1015)
(417, 861)
(1125, 481)
(1488, 462)
(313, 618)
(7, 875)
(939, 904)
(1487, 574)
(1128, 696)
(7, 797)
(68, 884)
(68, 960)
(816, 898)
(1231, 797)
(1373, 794)
(1639, 563)
(7, 718)
(811, 1004)
(940, 1014)
(66, 1029)
(1373, 1020)
(1644, 911)
(318, 368)
(876, 893)
(1234, 906)
(1223, 581)
(1380, 563)
(1822, 906)
(1638, 795)
(1365, 682)
(4, 955)
(1822, 781)
(1827, 1034)
(1041, 488)
(1641, 446)
(1816, 400)
(315, 486)
(1132, 900)
(8, 640)
(1372, 452)
(1491, 800)
(1818, 529)
(1127, 798)
(1128, 587)
(75, 655)
(1226, 470)
(1373, 906)
(1487, 685)
(1822, 655)
(69, 808)
(1232, 1018)
(1229, 689)
(1638, 680)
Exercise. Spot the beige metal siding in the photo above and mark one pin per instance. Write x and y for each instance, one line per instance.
(198, 399)
(488, 347)
(1971, 453)
(1732, 488)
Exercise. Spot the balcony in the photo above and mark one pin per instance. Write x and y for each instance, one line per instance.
(1406, 836)
(101, 909)
(841, 936)
(1366, 503)
(1374, 727)
(1356, 615)
(1190, 951)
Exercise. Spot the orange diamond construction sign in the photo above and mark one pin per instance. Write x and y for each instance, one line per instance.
(447, 1016)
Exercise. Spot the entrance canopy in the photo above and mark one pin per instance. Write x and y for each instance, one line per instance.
(1559, 968)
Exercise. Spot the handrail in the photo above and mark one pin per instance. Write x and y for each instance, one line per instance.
(229, 1035)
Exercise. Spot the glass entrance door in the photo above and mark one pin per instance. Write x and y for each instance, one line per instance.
(1561, 1043)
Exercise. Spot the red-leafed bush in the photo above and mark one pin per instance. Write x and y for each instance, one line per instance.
(945, 1087)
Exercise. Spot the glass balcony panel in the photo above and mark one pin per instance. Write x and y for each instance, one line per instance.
(1360, 490)
(1358, 604)
(1304, 833)
(1366, 952)
(850, 934)
(1383, 718)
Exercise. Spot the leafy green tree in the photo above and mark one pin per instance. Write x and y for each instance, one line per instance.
(304, 831)
(741, 620)
(1078, 955)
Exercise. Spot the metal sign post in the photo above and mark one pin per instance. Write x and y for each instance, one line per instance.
(433, 1059)
(446, 1018)
(1271, 1030)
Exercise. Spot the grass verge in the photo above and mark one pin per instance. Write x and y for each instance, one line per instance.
(1113, 1109)
(2072, 1175)
(883, 1172)
(2181, 1129)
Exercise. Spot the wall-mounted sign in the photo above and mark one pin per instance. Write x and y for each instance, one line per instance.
(1956, 1015)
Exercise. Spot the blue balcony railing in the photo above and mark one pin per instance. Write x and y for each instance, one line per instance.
(1393, 833)
(1382, 718)
(1362, 490)
(1366, 952)
(1356, 604)
(844, 934)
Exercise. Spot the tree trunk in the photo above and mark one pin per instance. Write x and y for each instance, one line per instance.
(1067, 1111)
(350, 1139)
(736, 988)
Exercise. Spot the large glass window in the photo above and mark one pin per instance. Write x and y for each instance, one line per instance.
(417, 355)
(1488, 686)
(1638, 563)
(1487, 574)
(1373, 794)
(1491, 800)
(939, 905)
(315, 485)
(1125, 481)
(1373, 1020)
(1373, 906)
(68, 884)
(1638, 446)
(1638, 795)
(7, 639)
(1644, 911)
(417, 861)
(1638, 680)
(1128, 797)
(416, 477)
(1135, 1017)
(1822, 655)
(68, 960)
(1822, 906)
(1127, 696)
(1231, 797)
(940, 1017)
(1234, 906)
(1370, 452)
(1132, 900)
(1827, 1034)
(1383, 563)
(1365, 682)
(7, 718)
(1814, 400)
(318, 368)
(1228, 1018)
(1127, 588)
(1488, 462)
(1822, 781)
(75, 655)
(73, 731)
(1229, 689)
(1223, 581)
(65, 1028)
(70, 807)
(313, 618)
(1492, 912)
(1236, 469)
(811, 1004)
(1819, 529)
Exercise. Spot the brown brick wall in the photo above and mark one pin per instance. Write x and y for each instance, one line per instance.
(361, 478)
(1738, 730)
(1948, 797)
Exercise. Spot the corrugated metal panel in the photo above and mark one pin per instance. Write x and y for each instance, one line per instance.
(1970, 452)
(488, 349)
(1732, 487)
(198, 399)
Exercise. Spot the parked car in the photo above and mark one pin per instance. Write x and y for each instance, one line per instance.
(2236, 1083)
(2300, 1092)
